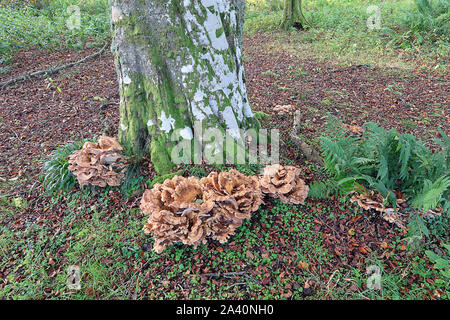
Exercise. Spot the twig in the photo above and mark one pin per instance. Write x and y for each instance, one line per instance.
(36, 74)
(237, 284)
(329, 280)
(227, 274)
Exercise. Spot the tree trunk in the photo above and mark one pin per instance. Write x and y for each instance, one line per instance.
(179, 63)
(293, 15)
(40, 4)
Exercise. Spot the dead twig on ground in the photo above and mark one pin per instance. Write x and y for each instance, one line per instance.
(226, 275)
(37, 74)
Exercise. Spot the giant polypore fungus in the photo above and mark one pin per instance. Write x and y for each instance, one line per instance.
(190, 210)
(235, 196)
(178, 209)
(98, 164)
(374, 200)
(283, 182)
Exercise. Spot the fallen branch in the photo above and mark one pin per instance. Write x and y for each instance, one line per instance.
(309, 152)
(226, 274)
(37, 74)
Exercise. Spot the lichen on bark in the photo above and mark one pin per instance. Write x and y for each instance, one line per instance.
(178, 62)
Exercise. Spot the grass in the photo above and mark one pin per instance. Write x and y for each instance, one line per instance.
(339, 32)
(55, 174)
(100, 230)
(25, 26)
(95, 231)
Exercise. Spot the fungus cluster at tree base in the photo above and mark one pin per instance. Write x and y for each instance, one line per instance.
(191, 210)
(99, 164)
(284, 183)
(235, 196)
(177, 212)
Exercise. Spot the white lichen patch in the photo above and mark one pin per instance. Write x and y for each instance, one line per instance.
(187, 69)
(233, 19)
(126, 79)
(213, 104)
(167, 123)
(212, 25)
(217, 80)
(198, 114)
(199, 96)
(187, 133)
(116, 14)
(231, 123)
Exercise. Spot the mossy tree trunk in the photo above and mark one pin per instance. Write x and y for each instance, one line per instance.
(293, 15)
(179, 62)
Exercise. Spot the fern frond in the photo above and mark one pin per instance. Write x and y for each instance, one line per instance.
(431, 193)
(321, 189)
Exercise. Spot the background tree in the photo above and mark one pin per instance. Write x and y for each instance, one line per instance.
(178, 62)
(293, 15)
(40, 4)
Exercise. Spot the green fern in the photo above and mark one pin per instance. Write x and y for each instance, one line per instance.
(321, 190)
(432, 193)
(385, 160)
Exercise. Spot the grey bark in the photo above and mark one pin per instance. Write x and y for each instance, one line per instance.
(178, 62)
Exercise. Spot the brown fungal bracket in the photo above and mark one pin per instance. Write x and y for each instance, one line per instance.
(235, 196)
(283, 182)
(178, 209)
(283, 109)
(374, 200)
(189, 210)
(355, 131)
(99, 164)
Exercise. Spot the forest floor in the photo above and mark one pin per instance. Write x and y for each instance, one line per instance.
(320, 250)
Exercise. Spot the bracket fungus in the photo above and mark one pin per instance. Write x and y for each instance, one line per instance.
(284, 109)
(189, 210)
(355, 131)
(235, 196)
(374, 200)
(283, 182)
(178, 209)
(98, 164)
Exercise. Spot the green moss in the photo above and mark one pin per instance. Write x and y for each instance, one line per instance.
(161, 179)
(219, 32)
(147, 96)
(160, 156)
(261, 115)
